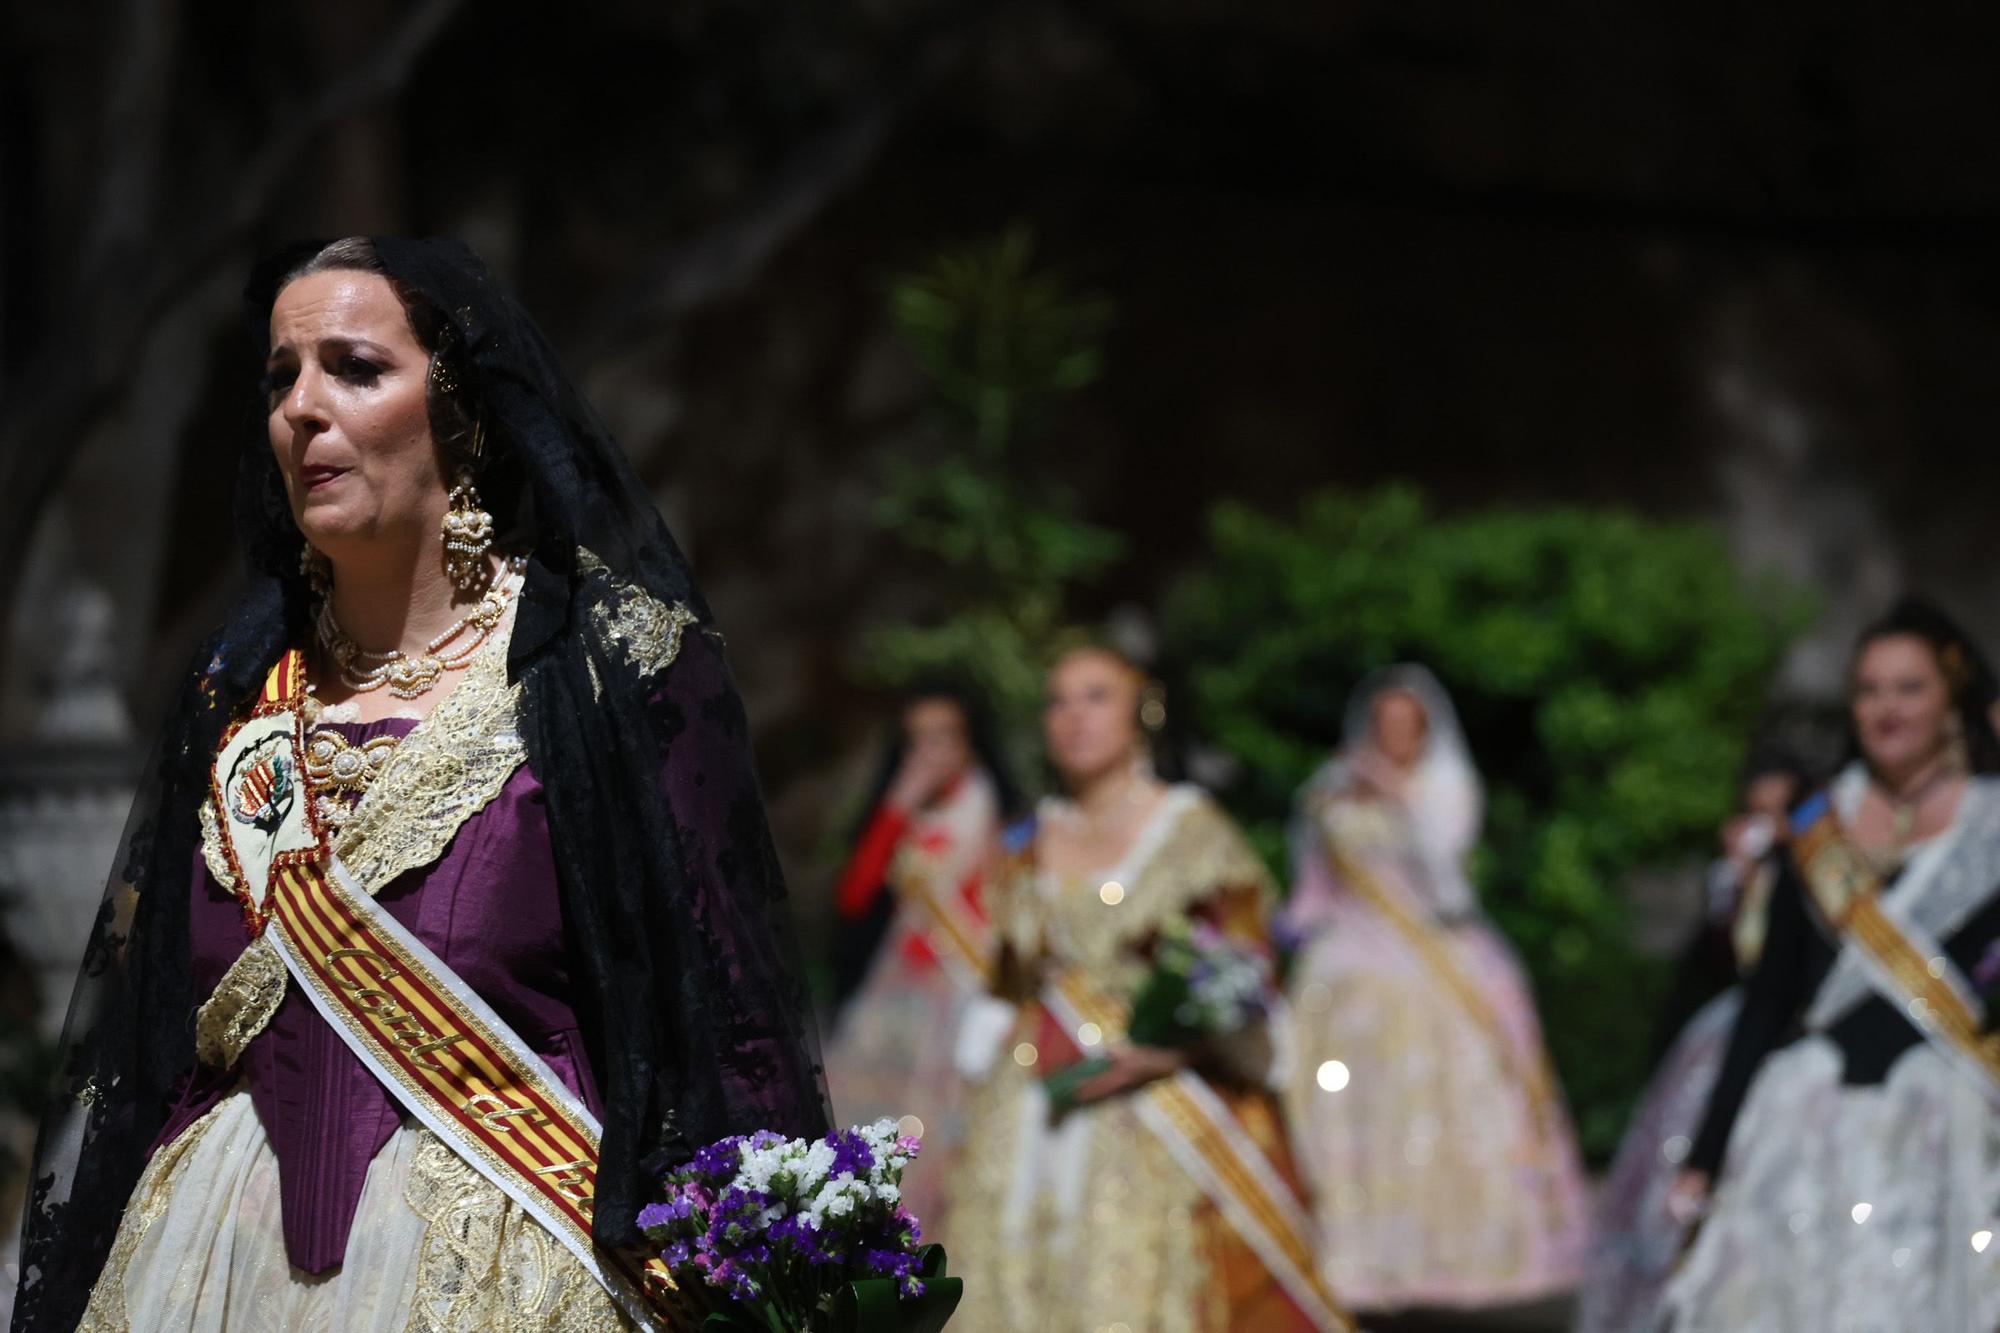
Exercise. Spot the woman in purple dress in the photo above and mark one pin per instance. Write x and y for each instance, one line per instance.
(508, 758)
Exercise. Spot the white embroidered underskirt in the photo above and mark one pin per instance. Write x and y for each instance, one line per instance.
(1851, 1209)
(201, 1247)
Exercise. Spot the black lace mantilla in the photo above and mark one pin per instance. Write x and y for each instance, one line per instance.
(694, 1003)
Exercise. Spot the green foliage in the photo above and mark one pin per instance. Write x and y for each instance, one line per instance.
(1002, 343)
(998, 338)
(1609, 670)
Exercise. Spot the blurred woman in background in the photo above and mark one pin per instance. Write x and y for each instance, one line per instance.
(914, 931)
(1854, 1124)
(1442, 1163)
(1637, 1240)
(1163, 1201)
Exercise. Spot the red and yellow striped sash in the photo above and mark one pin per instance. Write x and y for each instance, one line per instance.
(445, 1054)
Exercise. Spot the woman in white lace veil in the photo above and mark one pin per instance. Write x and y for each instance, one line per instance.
(1441, 794)
(1426, 1117)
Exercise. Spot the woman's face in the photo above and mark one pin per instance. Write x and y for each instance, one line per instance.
(934, 732)
(1901, 703)
(348, 414)
(1399, 727)
(1091, 719)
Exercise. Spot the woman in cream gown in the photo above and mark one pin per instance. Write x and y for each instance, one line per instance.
(1165, 1201)
(489, 712)
(1424, 1111)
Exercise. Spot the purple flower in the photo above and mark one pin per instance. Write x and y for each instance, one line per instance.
(659, 1215)
(818, 1246)
(851, 1155)
(887, 1263)
(719, 1159)
(762, 1246)
(739, 1214)
(734, 1280)
(908, 1232)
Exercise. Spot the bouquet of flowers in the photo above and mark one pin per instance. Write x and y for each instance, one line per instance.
(783, 1235)
(1202, 984)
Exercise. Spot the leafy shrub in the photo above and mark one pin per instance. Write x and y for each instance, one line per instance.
(1609, 670)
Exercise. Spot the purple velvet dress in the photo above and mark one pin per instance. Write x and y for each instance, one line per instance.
(489, 907)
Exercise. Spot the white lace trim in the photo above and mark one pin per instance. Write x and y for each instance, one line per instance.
(1178, 799)
(1851, 1208)
(1950, 877)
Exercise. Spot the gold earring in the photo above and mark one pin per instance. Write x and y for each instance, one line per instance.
(317, 569)
(468, 534)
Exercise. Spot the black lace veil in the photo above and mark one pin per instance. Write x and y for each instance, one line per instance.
(695, 1006)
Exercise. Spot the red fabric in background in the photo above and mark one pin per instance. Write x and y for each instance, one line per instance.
(868, 869)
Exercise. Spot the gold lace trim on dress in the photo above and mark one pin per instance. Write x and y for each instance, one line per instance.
(212, 850)
(1202, 857)
(486, 1264)
(242, 1003)
(449, 768)
(106, 1312)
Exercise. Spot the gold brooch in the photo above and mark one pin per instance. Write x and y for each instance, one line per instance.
(341, 772)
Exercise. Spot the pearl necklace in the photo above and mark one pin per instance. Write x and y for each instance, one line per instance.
(409, 675)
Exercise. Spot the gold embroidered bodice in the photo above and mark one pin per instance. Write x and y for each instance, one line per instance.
(1197, 857)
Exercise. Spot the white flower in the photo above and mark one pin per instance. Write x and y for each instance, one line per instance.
(812, 1166)
(838, 1198)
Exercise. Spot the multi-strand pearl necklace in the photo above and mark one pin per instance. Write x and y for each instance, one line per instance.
(409, 675)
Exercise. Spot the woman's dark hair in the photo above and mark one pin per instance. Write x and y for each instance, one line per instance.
(1768, 760)
(1967, 674)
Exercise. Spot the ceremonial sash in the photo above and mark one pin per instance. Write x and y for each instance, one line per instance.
(956, 947)
(941, 852)
(1913, 973)
(1212, 1146)
(440, 1049)
(1424, 940)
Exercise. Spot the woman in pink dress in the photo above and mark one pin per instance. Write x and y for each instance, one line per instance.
(1426, 1118)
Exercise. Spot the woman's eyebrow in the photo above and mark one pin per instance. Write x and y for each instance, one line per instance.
(340, 342)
